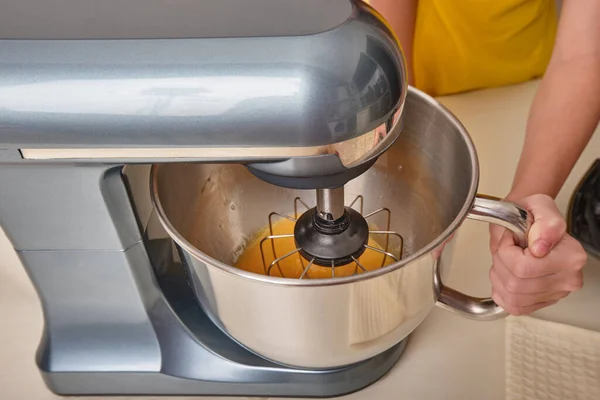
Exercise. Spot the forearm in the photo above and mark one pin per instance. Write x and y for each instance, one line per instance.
(566, 109)
(563, 117)
(401, 16)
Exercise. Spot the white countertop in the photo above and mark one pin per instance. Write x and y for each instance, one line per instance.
(447, 357)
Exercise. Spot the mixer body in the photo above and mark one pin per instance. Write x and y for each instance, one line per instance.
(305, 94)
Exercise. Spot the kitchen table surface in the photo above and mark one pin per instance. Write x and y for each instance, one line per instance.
(447, 357)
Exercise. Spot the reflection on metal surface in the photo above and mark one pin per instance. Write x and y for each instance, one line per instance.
(168, 97)
(330, 203)
(201, 153)
(350, 152)
(482, 309)
(506, 214)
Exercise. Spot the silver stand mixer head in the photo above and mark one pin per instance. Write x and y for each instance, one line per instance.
(306, 94)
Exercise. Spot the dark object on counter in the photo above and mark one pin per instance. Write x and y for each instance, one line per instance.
(583, 218)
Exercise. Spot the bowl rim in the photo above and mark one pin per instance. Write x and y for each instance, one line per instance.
(413, 94)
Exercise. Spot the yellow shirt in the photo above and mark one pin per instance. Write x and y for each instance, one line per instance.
(463, 45)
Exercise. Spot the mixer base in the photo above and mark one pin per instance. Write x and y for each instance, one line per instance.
(194, 357)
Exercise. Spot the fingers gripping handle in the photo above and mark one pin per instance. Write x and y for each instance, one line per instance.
(493, 211)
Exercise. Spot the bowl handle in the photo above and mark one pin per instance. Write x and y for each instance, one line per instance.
(494, 211)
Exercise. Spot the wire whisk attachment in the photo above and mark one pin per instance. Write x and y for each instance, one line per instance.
(384, 247)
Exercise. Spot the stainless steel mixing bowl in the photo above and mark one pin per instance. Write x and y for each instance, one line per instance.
(428, 179)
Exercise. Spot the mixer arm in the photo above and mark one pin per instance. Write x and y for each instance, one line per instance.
(494, 211)
(221, 81)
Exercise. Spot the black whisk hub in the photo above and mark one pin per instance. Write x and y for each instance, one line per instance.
(331, 243)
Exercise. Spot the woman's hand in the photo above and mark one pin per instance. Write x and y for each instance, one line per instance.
(525, 280)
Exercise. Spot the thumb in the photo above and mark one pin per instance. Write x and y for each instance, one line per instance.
(496, 234)
(548, 226)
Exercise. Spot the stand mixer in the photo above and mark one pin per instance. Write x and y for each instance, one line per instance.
(278, 98)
